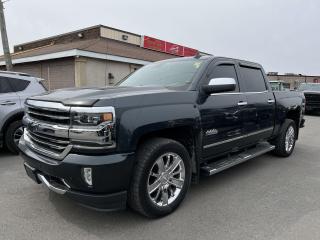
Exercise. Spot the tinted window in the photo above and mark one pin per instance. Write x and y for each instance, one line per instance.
(18, 84)
(253, 79)
(224, 71)
(5, 86)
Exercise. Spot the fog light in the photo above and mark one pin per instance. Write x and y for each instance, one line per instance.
(87, 175)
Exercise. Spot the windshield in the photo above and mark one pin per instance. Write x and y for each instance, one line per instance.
(310, 87)
(167, 73)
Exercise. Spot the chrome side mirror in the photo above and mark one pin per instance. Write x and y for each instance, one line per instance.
(217, 85)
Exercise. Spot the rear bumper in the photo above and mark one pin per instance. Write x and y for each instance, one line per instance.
(111, 177)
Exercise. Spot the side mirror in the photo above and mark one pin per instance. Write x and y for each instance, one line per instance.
(217, 85)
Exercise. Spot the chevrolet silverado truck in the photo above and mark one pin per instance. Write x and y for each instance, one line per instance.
(142, 142)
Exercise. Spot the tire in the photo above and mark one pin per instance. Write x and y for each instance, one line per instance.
(13, 131)
(280, 142)
(149, 156)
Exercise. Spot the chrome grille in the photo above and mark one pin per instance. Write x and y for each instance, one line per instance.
(47, 126)
(51, 143)
(48, 115)
(312, 98)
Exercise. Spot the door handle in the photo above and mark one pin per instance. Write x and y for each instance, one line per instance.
(242, 103)
(271, 101)
(7, 103)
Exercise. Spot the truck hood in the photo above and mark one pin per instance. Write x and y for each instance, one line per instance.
(87, 97)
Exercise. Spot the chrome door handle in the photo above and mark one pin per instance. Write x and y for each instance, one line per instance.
(242, 103)
(271, 101)
(7, 103)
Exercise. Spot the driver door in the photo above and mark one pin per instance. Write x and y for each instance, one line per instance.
(222, 114)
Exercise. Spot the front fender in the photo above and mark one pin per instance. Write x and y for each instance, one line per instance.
(136, 123)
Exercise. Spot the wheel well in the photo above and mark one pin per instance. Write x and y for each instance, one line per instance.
(183, 135)
(13, 118)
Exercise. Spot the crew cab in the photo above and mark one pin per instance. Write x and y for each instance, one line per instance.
(142, 142)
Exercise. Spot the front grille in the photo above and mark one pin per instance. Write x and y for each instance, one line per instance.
(48, 115)
(51, 143)
(312, 98)
(47, 126)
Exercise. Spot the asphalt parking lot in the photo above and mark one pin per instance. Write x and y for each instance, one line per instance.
(265, 198)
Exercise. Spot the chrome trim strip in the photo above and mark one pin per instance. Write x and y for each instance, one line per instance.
(93, 110)
(50, 186)
(237, 93)
(237, 138)
(30, 111)
(242, 103)
(50, 106)
(47, 128)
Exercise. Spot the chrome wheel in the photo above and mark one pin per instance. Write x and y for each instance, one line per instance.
(17, 135)
(290, 138)
(166, 179)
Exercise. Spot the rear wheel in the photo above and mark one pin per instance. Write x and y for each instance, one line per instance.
(13, 135)
(286, 140)
(161, 179)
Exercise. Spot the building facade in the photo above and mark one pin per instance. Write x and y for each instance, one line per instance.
(95, 57)
(293, 79)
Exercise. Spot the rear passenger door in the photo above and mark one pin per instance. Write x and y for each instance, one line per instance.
(9, 100)
(259, 113)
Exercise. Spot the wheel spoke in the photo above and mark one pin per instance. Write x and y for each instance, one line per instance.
(174, 165)
(176, 182)
(154, 186)
(161, 167)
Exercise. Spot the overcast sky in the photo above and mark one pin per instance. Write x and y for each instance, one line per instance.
(282, 35)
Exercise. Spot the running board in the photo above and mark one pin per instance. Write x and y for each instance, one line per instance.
(231, 161)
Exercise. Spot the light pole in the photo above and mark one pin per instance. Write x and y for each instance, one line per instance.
(4, 36)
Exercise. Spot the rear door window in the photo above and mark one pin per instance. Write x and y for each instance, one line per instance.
(5, 87)
(18, 85)
(253, 79)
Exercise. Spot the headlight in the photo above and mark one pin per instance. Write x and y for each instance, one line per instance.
(92, 116)
(93, 128)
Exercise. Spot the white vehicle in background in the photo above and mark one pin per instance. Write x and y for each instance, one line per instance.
(280, 86)
(14, 89)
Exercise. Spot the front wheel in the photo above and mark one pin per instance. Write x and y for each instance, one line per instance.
(286, 140)
(13, 135)
(161, 179)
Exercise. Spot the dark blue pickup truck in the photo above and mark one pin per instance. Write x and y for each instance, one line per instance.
(142, 142)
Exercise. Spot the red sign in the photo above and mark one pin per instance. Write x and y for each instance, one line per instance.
(154, 44)
(167, 47)
(174, 49)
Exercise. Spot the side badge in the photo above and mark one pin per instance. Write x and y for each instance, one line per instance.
(210, 132)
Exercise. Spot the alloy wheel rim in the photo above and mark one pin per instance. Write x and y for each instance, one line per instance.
(290, 136)
(166, 179)
(17, 135)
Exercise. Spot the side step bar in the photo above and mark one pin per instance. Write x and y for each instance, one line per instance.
(231, 161)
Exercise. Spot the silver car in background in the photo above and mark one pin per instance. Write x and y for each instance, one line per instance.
(14, 89)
